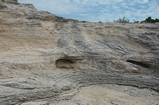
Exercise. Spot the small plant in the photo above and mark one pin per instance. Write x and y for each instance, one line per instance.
(136, 21)
(122, 20)
(100, 22)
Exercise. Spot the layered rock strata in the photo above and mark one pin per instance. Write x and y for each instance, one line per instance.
(44, 57)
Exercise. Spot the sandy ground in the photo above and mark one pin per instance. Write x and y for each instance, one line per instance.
(113, 95)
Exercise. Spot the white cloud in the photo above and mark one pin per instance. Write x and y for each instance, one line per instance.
(145, 1)
(99, 10)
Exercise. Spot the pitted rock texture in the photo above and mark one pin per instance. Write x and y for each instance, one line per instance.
(46, 58)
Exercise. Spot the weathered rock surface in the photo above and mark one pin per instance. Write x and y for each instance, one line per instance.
(46, 58)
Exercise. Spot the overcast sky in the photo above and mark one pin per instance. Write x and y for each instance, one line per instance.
(99, 10)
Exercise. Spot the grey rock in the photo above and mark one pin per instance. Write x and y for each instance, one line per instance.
(46, 58)
(36, 103)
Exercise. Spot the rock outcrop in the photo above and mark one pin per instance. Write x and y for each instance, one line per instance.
(44, 57)
(9, 1)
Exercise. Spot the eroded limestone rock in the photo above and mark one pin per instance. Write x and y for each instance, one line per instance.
(44, 57)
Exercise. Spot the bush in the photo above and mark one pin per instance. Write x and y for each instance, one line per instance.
(122, 20)
(150, 20)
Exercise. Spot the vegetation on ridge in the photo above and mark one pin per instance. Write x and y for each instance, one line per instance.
(147, 20)
(122, 20)
(150, 20)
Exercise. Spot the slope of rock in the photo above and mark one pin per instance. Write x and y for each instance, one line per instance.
(46, 58)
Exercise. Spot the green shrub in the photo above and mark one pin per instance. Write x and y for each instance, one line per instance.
(150, 20)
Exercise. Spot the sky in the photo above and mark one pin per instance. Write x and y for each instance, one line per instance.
(99, 10)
